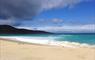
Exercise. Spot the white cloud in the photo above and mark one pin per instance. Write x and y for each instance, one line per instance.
(89, 28)
(70, 28)
(56, 20)
(49, 4)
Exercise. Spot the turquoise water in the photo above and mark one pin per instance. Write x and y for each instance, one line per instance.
(88, 39)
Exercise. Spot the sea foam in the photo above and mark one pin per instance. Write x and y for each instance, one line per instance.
(48, 41)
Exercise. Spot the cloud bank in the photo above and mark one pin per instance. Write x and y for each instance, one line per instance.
(71, 28)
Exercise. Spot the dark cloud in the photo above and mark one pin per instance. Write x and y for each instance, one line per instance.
(11, 11)
(19, 9)
(26, 9)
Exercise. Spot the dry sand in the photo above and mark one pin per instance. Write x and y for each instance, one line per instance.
(22, 51)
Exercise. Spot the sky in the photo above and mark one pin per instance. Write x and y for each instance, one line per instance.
(49, 15)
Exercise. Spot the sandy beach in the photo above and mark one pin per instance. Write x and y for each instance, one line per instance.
(10, 50)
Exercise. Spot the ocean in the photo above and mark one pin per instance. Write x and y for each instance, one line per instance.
(68, 40)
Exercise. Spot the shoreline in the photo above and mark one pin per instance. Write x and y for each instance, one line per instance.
(13, 50)
(51, 43)
(48, 42)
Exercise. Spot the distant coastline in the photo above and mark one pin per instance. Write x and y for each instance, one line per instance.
(6, 29)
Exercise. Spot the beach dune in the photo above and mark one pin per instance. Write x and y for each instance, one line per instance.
(10, 50)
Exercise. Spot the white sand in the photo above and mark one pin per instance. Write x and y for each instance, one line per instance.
(22, 51)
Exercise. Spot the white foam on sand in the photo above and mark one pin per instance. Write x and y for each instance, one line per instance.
(48, 41)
